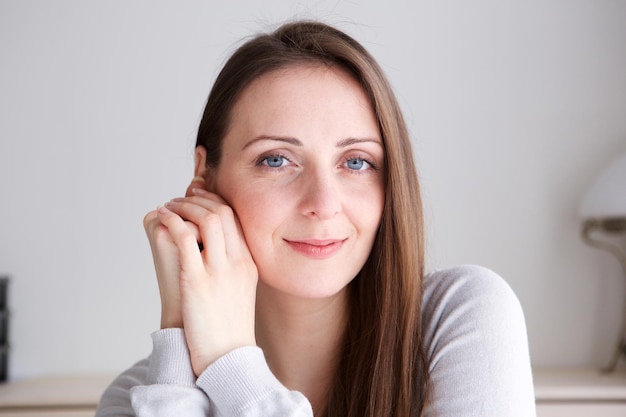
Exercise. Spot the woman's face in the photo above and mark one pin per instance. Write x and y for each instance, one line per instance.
(302, 166)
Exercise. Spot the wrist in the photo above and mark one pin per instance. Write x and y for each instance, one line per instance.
(171, 319)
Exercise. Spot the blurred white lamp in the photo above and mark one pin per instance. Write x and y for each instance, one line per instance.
(603, 209)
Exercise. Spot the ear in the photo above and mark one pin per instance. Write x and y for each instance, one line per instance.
(200, 169)
(201, 173)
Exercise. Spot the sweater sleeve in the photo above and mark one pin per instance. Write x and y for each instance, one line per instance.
(160, 386)
(240, 384)
(476, 345)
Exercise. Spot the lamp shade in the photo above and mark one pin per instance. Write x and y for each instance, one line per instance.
(606, 198)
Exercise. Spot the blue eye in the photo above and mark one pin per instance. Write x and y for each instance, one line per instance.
(356, 164)
(274, 161)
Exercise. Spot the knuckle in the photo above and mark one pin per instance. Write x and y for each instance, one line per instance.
(211, 218)
(149, 220)
(224, 211)
(160, 232)
(189, 242)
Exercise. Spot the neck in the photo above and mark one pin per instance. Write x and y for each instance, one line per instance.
(301, 340)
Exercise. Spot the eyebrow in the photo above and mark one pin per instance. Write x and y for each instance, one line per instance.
(296, 142)
(352, 141)
(286, 139)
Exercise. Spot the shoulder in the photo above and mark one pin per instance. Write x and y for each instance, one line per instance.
(467, 289)
(468, 296)
(474, 338)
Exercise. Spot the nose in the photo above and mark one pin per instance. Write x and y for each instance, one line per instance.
(321, 196)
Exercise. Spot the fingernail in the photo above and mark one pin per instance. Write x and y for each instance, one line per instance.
(198, 178)
(177, 200)
(163, 209)
(199, 191)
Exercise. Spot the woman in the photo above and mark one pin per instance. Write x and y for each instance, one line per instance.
(291, 274)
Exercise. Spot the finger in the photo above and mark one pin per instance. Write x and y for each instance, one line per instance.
(150, 220)
(234, 240)
(165, 256)
(206, 195)
(197, 182)
(184, 239)
(210, 225)
(153, 225)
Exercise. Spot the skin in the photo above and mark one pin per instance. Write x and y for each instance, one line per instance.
(287, 220)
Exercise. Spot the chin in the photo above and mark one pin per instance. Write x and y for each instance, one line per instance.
(306, 289)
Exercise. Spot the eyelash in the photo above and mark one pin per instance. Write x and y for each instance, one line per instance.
(261, 162)
(368, 161)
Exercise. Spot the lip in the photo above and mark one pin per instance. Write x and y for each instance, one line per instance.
(316, 248)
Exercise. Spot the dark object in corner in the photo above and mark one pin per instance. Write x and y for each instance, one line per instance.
(4, 329)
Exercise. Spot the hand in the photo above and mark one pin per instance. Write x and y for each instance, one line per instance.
(166, 262)
(167, 266)
(218, 285)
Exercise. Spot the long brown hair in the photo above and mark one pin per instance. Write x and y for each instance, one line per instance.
(382, 370)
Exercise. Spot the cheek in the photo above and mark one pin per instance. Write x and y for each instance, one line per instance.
(367, 208)
(370, 224)
(258, 213)
(252, 223)
(260, 225)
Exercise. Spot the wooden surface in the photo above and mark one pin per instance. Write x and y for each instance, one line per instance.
(67, 395)
(48, 413)
(579, 384)
(559, 392)
(580, 393)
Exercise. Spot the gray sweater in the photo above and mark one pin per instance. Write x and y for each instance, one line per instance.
(475, 340)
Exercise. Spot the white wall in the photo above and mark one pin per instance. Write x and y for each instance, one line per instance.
(514, 106)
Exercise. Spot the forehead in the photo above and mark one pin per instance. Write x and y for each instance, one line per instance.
(305, 96)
